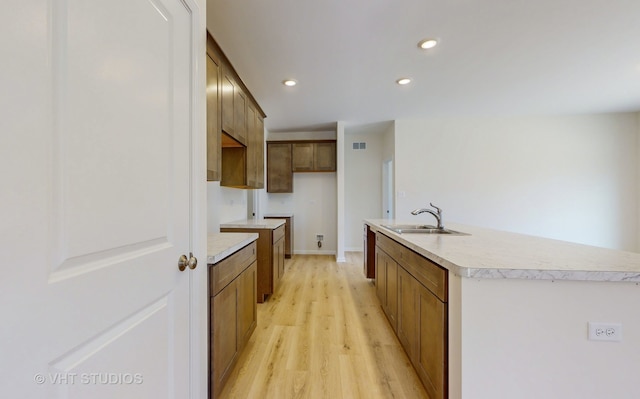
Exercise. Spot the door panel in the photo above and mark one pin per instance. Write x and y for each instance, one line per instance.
(98, 208)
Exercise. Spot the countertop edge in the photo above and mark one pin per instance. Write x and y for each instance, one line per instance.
(222, 245)
(507, 273)
(270, 224)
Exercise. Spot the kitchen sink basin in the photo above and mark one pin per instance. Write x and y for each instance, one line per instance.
(421, 229)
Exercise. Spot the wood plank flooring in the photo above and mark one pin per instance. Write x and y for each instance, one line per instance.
(323, 335)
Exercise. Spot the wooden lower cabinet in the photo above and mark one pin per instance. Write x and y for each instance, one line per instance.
(224, 341)
(430, 360)
(278, 262)
(270, 258)
(369, 238)
(387, 285)
(233, 312)
(288, 233)
(407, 315)
(419, 315)
(247, 309)
(381, 276)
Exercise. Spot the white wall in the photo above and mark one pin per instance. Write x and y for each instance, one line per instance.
(527, 339)
(313, 202)
(313, 205)
(224, 204)
(363, 184)
(638, 178)
(573, 178)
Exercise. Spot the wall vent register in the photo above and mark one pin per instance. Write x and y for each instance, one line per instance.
(359, 146)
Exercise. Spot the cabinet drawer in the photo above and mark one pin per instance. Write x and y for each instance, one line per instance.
(278, 234)
(429, 274)
(389, 246)
(228, 269)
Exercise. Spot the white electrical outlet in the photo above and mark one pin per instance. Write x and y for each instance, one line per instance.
(319, 237)
(605, 331)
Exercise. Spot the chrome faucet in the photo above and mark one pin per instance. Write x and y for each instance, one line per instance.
(437, 215)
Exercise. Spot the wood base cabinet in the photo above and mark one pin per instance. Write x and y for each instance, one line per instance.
(387, 285)
(369, 238)
(420, 315)
(270, 258)
(288, 233)
(233, 312)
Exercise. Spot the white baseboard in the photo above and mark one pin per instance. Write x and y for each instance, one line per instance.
(313, 252)
(354, 249)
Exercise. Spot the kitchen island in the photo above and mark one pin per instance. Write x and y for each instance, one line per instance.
(517, 313)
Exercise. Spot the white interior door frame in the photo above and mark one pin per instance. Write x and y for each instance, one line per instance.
(388, 206)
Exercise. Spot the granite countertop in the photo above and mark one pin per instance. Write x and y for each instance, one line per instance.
(221, 245)
(487, 253)
(254, 224)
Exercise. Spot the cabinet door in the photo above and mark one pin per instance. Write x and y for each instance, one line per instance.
(240, 115)
(225, 338)
(214, 157)
(255, 148)
(281, 256)
(431, 343)
(247, 316)
(407, 313)
(369, 252)
(392, 293)
(228, 99)
(259, 139)
(252, 146)
(278, 263)
(303, 157)
(324, 157)
(381, 276)
(279, 173)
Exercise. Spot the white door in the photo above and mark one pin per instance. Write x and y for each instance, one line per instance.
(97, 126)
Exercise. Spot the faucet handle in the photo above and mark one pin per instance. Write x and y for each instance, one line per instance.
(436, 208)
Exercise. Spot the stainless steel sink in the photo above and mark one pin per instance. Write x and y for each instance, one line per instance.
(421, 229)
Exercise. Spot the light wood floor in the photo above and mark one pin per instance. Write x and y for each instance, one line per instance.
(323, 335)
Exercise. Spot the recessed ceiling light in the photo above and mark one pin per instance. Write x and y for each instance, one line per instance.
(427, 43)
(403, 81)
(289, 82)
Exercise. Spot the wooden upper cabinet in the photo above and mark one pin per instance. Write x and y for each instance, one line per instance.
(240, 115)
(303, 157)
(234, 107)
(259, 137)
(324, 156)
(279, 172)
(255, 148)
(228, 100)
(235, 126)
(214, 155)
(314, 157)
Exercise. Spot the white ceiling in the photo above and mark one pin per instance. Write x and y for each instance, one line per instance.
(496, 57)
